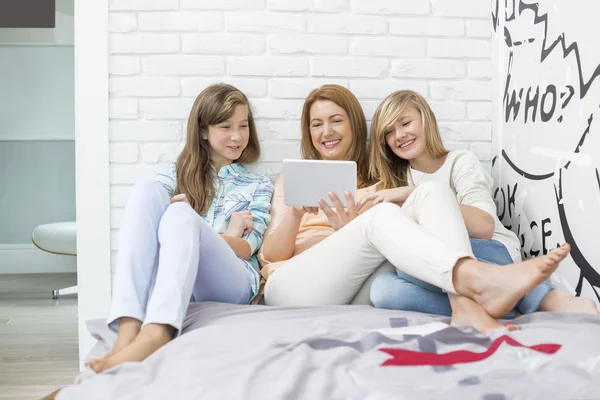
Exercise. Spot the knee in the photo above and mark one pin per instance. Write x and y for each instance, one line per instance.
(386, 209)
(378, 215)
(180, 217)
(148, 191)
(384, 212)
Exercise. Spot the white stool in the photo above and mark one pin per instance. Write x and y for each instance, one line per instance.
(58, 238)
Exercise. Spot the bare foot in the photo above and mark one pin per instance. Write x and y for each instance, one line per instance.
(119, 345)
(466, 312)
(129, 328)
(557, 301)
(96, 362)
(499, 289)
(150, 339)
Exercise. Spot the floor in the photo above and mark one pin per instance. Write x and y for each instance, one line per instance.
(38, 335)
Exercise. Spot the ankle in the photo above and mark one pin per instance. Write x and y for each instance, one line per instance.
(158, 332)
(129, 326)
(465, 275)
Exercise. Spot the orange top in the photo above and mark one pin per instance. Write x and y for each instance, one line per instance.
(313, 228)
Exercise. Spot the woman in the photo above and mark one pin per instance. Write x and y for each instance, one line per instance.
(334, 127)
(192, 234)
(325, 256)
(406, 152)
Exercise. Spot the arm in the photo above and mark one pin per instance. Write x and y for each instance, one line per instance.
(281, 244)
(395, 195)
(480, 224)
(473, 187)
(260, 209)
(280, 237)
(240, 247)
(246, 228)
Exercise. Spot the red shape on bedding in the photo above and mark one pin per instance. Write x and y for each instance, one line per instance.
(402, 357)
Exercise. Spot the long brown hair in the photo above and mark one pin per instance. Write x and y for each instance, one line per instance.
(386, 166)
(195, 176)
(345, 99)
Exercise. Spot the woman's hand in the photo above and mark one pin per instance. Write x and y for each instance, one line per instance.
(240, 224)
(180, 198)
(395, 195)
(300, 211)
(340, 217)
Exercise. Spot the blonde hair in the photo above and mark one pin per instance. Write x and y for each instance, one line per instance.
(195, 176)
(345, 99)
(386, 166)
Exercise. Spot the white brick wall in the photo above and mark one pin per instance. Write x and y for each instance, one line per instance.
(164, 52)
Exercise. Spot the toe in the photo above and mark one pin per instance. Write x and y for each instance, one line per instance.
(564, 250)
(511, 327)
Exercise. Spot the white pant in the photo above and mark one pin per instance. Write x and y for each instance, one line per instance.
(168, 256)
(363, 296)
(423, 238)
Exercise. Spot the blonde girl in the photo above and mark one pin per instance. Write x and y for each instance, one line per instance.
(407, 152)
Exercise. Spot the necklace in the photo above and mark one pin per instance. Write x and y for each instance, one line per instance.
(422, 176)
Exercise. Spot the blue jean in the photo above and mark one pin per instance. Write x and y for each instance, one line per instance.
(399, 291)
(168, 257)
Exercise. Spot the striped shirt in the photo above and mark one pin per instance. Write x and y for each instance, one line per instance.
(236, 190)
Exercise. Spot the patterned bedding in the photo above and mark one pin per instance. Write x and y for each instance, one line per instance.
(353, 352)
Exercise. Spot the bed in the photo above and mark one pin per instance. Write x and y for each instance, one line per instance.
(352, 352)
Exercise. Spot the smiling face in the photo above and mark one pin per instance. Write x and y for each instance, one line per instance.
(330, 130)
(406, 138)
(404, 133)
(229, 138)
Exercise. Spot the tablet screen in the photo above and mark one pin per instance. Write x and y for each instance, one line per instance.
(306, 181)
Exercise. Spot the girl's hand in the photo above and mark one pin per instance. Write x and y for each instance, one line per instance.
(300, 211)
(366, 205)
(396, 195)
(340, 217)
(240, 224)
(180, 197)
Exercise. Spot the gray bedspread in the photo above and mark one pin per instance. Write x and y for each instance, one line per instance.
(258, 352)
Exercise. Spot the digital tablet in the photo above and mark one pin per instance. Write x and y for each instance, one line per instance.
(306, 181)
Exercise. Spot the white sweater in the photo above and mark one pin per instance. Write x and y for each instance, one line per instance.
(473, 187)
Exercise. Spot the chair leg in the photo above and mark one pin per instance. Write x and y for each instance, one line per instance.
(63, 292)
